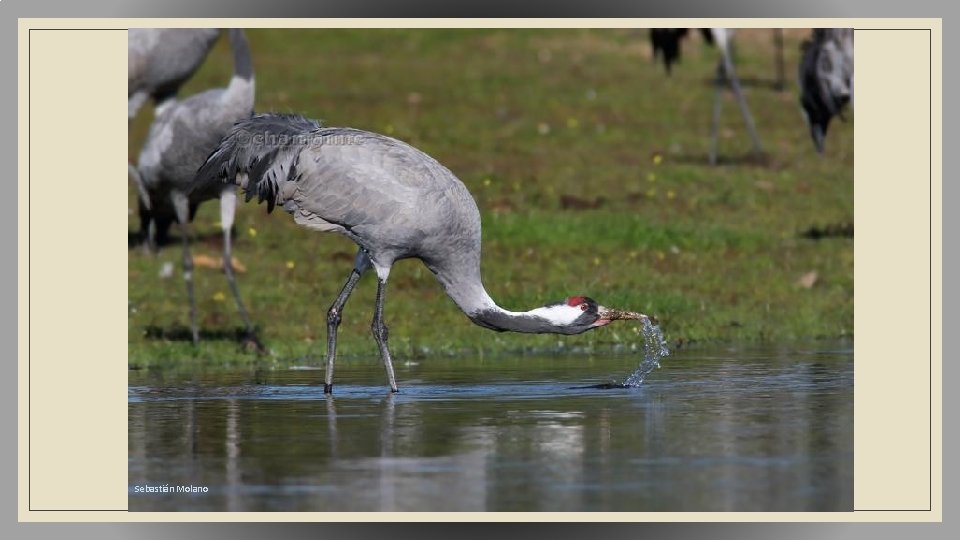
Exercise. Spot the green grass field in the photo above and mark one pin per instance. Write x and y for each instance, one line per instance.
(589, 166)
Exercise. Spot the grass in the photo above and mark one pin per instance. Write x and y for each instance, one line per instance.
(537, 123)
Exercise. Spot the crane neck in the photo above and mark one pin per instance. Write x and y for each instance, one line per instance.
(242, 63)
(468, 292)
(240, 92)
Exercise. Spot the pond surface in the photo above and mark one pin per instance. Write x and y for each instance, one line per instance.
(712, 430)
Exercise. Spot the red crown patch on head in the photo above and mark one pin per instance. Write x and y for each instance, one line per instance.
(574, 301)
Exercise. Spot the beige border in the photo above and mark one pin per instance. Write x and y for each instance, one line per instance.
(892, 388)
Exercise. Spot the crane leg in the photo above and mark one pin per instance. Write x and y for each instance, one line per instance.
(335, 313)
(715, 122)
(380, 333)
(228, 206)
(742, 102)
(182, 207)
(780, 83)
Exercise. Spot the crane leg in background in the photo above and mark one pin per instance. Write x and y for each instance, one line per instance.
(380, 332)
(182, 207)
(780, 84)
(742, 102)
(228, 207)
(715, 121)
(335, 313)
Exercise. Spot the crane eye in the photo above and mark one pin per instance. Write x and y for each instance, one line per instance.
(584, 306)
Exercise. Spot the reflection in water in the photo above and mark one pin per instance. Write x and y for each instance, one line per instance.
(761, 430)
(387, 461)
(232, 452)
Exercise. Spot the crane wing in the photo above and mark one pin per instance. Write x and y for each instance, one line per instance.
(258, 154)
(366, 185)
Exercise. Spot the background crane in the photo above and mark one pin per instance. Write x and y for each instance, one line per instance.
(180, 138)
(160, 60)
(394, 202)
(826, 79)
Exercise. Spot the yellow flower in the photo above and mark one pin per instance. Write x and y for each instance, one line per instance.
(657, 159)
(651, 177)
(572, 123)
(652, 192)
(661, 255)
(219, 296)
(252, 232)
(290, 265)
(671, 194)
(388, 129)
(486, 182)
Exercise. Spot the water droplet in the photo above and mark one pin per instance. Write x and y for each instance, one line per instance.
(654, 349)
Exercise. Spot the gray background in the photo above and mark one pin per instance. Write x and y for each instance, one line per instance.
(10, 10)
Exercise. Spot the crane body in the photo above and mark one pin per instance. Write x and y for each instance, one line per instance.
(393, 201)
(160, 60)
(826, 79)
(180, 138)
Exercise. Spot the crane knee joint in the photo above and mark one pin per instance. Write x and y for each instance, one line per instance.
(380, 330)
(333, 317)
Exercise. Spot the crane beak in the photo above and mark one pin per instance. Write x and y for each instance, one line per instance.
(608, 315)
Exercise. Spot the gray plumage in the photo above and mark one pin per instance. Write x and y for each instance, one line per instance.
(160, 60)
(393, 201)
(180, 138)
(826, 79)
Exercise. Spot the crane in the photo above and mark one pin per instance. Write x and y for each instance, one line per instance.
(180, 138)
(666, 44)
(394, 202)
(826, 79)
(160, 60)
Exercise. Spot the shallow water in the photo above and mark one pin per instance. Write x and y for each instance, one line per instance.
(711, 430)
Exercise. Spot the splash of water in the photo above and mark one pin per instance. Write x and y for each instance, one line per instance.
(654, 348)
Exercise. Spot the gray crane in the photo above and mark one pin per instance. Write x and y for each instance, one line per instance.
(160, 60)
(181, 137)
(666, 44)
(826, 79)
(394, 202)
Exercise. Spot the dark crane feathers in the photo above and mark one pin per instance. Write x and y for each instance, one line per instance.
(259, 154)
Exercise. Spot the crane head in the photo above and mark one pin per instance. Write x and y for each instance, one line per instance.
(582, 313)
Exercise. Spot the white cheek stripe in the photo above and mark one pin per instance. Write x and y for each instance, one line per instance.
(559, 315)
